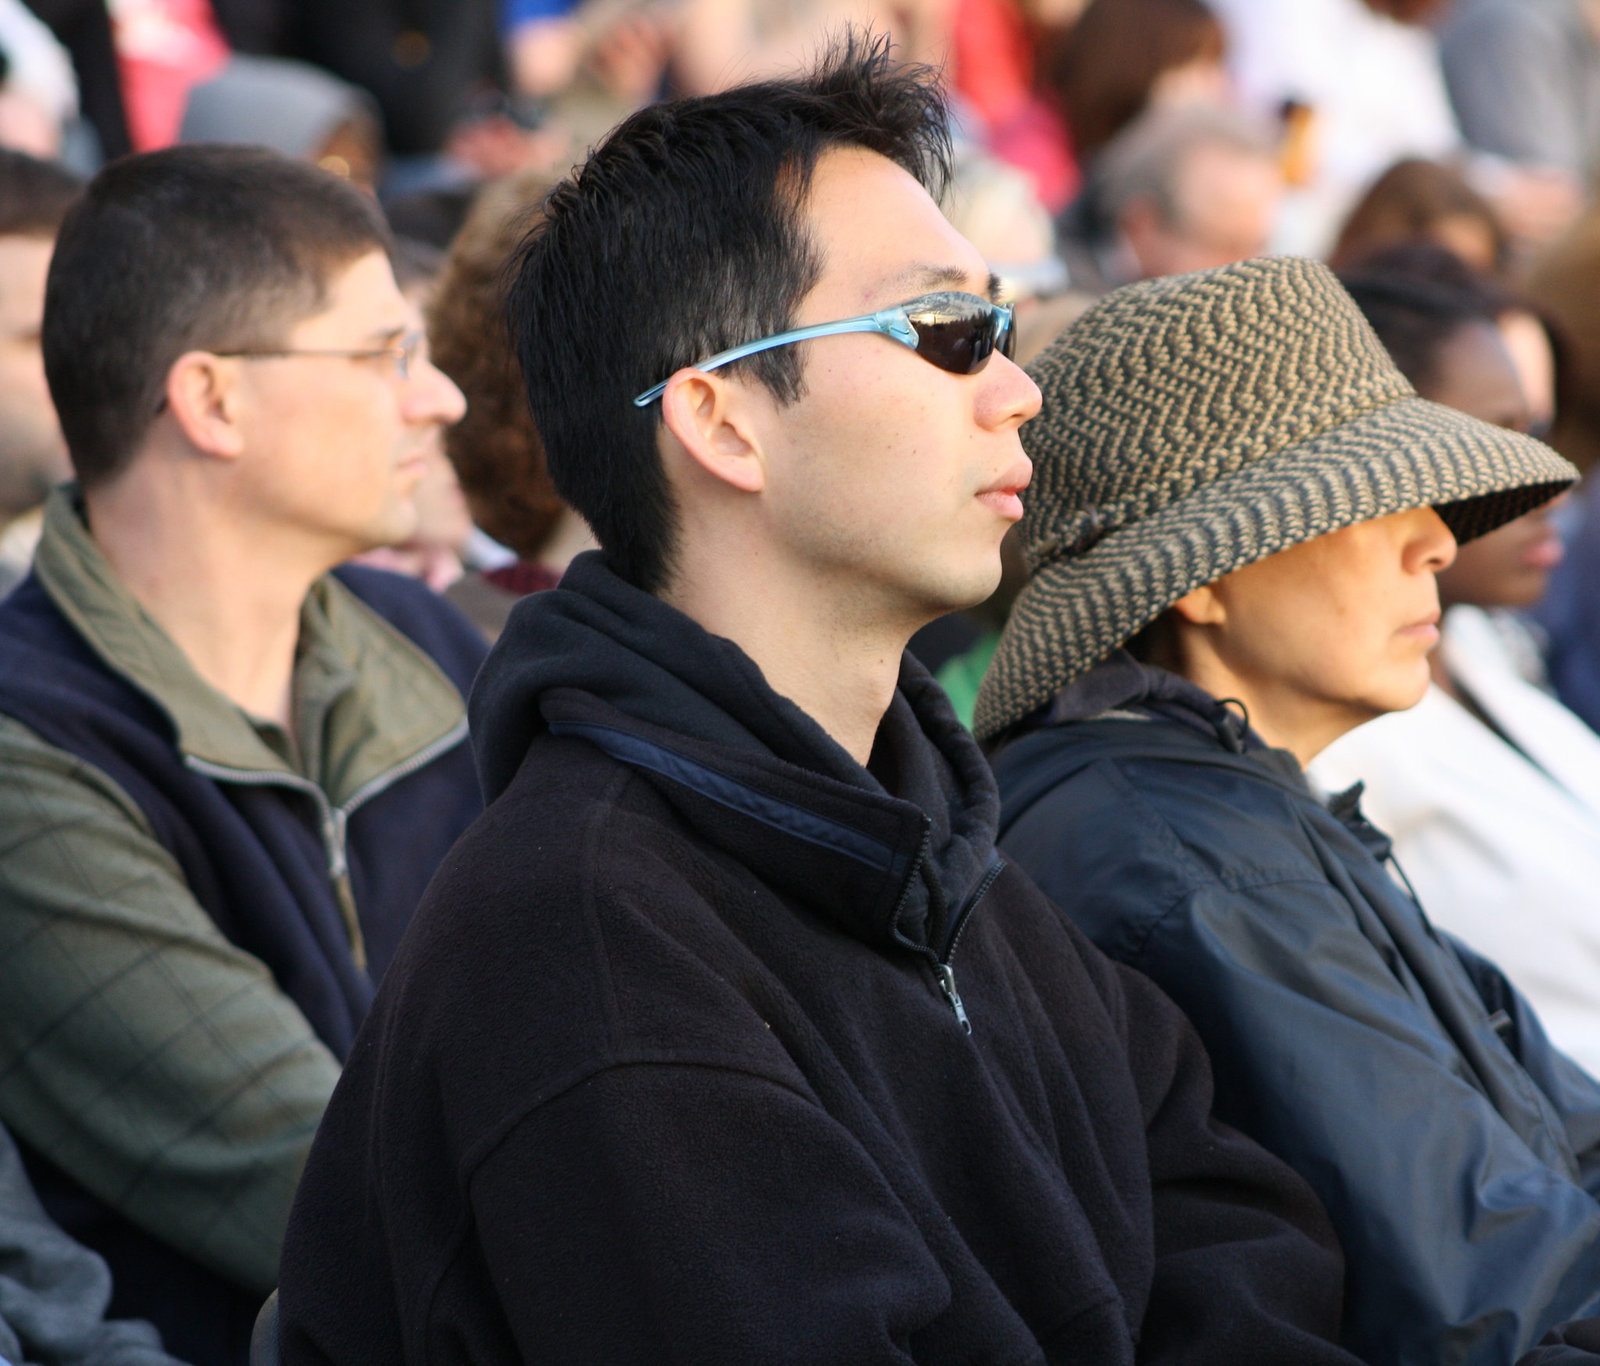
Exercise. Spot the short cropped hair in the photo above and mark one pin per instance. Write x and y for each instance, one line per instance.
(682, 235)
(218, 247)
(34, 195)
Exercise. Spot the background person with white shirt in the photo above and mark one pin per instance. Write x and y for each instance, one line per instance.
(1489, 787)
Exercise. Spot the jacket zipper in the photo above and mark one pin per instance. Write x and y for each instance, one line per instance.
(333, 821)
(943, 969)
(943, 966)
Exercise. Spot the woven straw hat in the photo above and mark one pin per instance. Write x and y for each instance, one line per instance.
(1195, 424)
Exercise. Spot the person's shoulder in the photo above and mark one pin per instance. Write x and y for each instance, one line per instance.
(1147, 816)
(1498, 22)
(577, 926)
(577, 846)
(436, 626)
(1107, 770)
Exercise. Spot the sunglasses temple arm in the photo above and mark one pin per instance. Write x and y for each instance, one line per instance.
(891, 322)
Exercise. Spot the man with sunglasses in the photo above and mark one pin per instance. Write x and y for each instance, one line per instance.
(225, 773)
(724, 1036)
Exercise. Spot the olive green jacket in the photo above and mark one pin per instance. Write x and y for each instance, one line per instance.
(150, 1059)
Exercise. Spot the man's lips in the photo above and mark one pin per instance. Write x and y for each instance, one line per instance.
(1004, 495)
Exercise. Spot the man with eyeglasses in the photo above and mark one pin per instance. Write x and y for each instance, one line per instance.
(226, 773)
(724, 1036)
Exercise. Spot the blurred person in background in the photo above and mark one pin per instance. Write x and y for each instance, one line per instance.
(292, 107)
(992, 71)
(1489, 787)
(1180, 190)
(83, 28)
(1524, 77)
(34, 197)
(1360, 86)
(1534, 339)
(425, 65)
(1421, 200)
(1570, 611)
(231, 760)
(1123, 57)
(1565, 282)
(495, 449)
(38, 92)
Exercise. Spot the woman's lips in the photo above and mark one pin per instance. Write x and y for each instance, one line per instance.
(1427, 629)
(1545, 553)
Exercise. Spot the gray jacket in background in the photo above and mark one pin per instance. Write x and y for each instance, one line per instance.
(1524, 77)
(54, 1292)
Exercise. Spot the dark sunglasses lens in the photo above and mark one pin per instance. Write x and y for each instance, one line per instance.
(959, 336)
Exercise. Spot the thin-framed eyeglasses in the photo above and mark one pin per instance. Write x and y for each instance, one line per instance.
(404, 353)
(954, 331)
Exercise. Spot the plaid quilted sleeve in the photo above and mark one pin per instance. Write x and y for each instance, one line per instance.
(157, 1064)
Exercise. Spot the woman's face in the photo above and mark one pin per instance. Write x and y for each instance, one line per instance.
(1476, 371)
(1326, 635)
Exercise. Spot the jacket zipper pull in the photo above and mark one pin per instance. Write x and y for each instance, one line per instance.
(947, 984)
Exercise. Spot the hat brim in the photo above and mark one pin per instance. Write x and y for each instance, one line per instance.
(1409, 453)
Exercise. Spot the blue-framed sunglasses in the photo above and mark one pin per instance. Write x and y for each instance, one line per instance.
(956, 332)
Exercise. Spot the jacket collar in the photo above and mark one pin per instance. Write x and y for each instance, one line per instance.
(888, 851)
(1122, 687)
(349, 658)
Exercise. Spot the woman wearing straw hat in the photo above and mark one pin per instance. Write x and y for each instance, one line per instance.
(1238, 509)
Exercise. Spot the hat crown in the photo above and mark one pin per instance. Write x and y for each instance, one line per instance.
(1174, 383)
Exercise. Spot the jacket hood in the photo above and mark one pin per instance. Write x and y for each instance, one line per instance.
(892, 848)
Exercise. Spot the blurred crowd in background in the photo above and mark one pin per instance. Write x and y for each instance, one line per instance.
(1101, 141)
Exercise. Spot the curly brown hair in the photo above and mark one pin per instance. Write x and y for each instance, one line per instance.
(497, 451)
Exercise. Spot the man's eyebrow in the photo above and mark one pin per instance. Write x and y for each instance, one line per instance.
(384, 334)
(937, 277)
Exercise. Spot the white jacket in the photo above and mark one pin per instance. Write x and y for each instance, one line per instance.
(1500, 840)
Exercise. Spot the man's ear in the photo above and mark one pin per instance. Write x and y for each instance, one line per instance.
(202, 396)
(1201, 607)
(710, 420)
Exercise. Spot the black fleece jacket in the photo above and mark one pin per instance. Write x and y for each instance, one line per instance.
(709, 1045)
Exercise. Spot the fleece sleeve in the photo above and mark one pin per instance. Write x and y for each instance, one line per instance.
(660, 1211)
(153, 1061)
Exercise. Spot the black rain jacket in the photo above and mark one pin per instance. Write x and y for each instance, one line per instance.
(1456, 1150)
